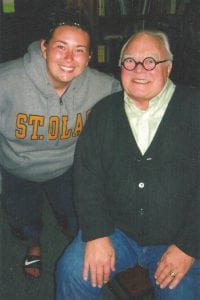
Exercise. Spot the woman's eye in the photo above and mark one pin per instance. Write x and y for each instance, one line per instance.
(80, 50)
(61, 47)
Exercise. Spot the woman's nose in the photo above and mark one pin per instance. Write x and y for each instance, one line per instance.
(69, 55)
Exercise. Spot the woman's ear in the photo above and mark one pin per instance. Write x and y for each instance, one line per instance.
(90, 57)
(43, 47)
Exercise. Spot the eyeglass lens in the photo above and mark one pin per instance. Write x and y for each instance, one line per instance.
(148, 63)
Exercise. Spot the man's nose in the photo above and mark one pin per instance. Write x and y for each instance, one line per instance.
(139, 66)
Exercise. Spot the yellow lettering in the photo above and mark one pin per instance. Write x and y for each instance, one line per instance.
(36, 121)
(21, 130)
(53, 128)
(22, 122)
(66, 134)
(78, 126)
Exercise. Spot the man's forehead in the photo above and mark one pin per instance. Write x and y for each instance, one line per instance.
(144, 44)
(145, 39)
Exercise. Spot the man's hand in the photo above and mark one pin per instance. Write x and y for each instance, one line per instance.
(99, 261)
(172, 267)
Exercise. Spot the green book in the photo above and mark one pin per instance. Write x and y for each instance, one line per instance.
(8, 6)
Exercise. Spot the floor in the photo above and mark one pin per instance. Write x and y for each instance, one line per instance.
(13, 284)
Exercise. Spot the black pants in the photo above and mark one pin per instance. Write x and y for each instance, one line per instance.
(23, 202)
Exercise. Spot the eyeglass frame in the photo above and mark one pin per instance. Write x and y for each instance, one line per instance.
(142, 63)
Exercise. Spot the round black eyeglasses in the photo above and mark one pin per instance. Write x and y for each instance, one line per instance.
(149, 63)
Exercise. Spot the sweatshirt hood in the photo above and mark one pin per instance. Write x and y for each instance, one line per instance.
(35, 68)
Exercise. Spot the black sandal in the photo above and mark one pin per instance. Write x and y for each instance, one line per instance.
(32, 261)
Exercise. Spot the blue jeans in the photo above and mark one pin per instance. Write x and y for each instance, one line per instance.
(71, 286)
(23, 202)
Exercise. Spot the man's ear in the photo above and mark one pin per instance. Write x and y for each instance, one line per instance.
(169, 68)
(43, 48)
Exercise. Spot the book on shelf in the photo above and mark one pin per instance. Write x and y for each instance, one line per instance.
(101, 8)
(145, 7)
(8, 6)
(108, 52)
(125, 7)
(181, 6)
(171, 7)
(101, 54)
(156, 7)
(114, 7)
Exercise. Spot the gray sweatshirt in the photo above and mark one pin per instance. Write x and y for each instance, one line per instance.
(39, 129)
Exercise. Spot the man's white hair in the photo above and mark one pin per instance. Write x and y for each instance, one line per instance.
(159, 35)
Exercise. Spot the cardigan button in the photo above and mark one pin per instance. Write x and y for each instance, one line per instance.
(141, 185)
(141, 211)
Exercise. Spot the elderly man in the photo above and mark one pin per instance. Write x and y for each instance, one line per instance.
(136, 181)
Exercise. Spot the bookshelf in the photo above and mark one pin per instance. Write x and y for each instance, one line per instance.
(113, 21)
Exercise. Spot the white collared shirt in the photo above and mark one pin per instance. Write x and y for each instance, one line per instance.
(144, 123)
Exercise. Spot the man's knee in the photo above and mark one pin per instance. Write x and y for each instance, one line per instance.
(63, 268)
(69, 268)
(69, 281)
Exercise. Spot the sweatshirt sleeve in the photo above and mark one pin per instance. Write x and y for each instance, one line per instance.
(89, 179)
(116, 86)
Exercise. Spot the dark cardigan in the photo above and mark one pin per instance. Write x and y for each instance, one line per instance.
(153, 198)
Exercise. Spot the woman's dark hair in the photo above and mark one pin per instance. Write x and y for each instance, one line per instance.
(58, 16)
